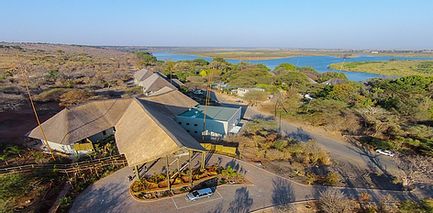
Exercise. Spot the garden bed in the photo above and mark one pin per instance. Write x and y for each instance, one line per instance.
(156, 186)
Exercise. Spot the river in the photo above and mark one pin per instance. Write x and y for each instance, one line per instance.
(319, 63)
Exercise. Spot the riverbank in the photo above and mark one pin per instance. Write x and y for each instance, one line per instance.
(388, 68)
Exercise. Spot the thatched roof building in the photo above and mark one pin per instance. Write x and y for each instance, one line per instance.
(151, 82)
(145, 129)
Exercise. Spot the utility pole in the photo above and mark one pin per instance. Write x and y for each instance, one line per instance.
(26, 82)
(206, 102)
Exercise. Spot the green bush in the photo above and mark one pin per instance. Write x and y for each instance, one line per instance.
(280, 144)
(332, 178)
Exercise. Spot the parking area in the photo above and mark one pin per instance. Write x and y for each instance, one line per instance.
(181, 203)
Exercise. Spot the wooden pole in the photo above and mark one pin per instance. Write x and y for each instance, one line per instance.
(137, 174)
(190, 167)
(203, 160)
(36, 114)
(168, 172)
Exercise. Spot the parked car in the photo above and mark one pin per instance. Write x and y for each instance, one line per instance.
(201, 193)
(385, 152)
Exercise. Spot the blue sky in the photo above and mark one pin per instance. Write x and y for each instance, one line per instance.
(354, 24)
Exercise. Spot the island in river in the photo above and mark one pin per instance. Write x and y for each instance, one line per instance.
(265, 54)
(388, 68)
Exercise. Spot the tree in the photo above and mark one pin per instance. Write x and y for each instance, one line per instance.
(145, 59)
(331, 75)
(254, 97)
(292, 79)
(200, 62)
(203, 73)
(334, 201)
(284, 67)
(74, 97)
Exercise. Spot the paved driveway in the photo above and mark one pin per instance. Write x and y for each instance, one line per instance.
(110, 194)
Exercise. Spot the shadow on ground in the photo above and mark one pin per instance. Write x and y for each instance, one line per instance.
(282, 192)
(101, 199)
(242, 201)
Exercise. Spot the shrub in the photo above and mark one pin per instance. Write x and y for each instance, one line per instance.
(274, 154)
(50, 94)
(333, 200)
(74, 97)
(332, 178)
(280, 145)
(310, 178)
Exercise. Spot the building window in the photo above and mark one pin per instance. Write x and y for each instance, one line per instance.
(195, 125)
(195, 132)
(187, 124)
(180, 123)
(187, 130)
(104, 132)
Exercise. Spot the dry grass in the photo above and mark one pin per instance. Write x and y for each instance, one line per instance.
(264, 54)
(390, 68)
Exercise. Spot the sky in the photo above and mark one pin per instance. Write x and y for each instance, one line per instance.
(343, 24)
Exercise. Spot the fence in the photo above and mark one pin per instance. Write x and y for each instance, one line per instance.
(68, 168)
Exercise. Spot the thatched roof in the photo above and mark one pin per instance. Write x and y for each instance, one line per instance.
(175, 101)
(74, 124)
(145, 133)
(154, 83)
(145, 130)
(142, 74)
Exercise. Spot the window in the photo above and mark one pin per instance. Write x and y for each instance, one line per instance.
(180, 123)
(187, 124)
(187, 130)
(195, 124)
(104, 132)
(195, 132)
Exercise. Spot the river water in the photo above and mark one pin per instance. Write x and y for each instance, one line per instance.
(319, 63)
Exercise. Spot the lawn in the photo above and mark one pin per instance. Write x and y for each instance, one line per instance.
(389, 68)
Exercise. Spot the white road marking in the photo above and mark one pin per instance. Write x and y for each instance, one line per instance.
(175, 205)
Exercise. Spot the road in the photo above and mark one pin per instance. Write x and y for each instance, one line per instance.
(342, 151)
(110, 194)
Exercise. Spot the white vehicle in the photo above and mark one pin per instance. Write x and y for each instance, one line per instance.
(201, 193)
(385, 152)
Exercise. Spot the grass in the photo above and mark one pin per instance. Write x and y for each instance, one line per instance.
(264, 54)
(389, 68)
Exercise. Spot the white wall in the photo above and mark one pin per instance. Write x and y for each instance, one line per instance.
(214, 126)
(233, 121)
(68, 149)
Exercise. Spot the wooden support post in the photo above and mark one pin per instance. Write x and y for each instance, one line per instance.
(168, 172)
(203, 160)
(178, 164)
(137, 174)
(190, 167)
